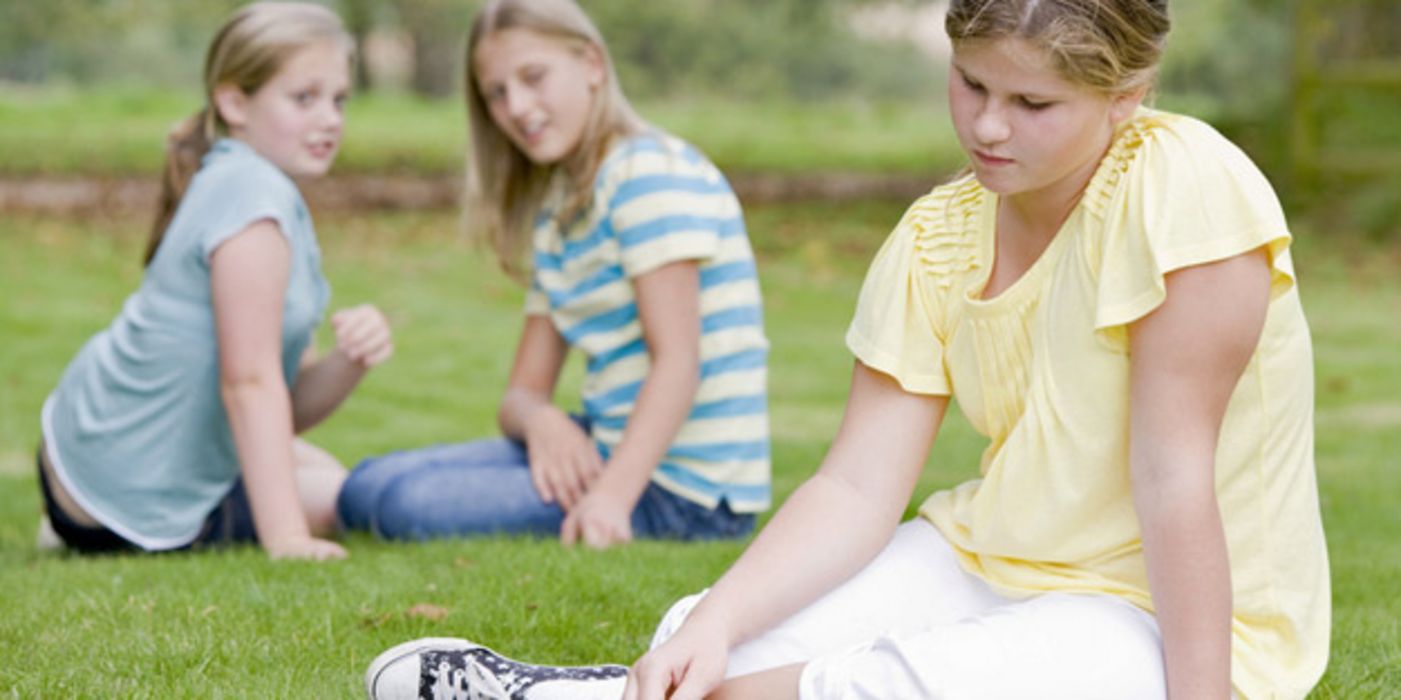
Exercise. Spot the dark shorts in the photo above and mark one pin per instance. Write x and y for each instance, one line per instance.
(231, 521)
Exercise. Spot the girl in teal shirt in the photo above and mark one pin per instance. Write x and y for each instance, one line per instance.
(175, 426)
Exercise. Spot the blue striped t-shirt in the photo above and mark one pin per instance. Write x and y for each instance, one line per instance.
(657, 200)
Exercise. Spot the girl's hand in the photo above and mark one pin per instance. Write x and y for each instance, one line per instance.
(599, 519)
(362, 335)
(685, 667)
(563, 459)
(305, 548)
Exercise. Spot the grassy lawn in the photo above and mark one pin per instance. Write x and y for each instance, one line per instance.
(117, 131)
(232, 624)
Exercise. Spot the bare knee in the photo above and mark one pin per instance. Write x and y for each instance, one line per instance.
(319, 480)
(309, 456)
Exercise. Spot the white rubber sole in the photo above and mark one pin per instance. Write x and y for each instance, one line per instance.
(393, 675)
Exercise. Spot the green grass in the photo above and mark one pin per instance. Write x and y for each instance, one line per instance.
(232, 624)
(121, 131)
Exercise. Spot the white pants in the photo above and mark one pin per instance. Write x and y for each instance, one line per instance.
(913, 624)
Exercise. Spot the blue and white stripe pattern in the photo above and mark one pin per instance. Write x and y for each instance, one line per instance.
(657, 200)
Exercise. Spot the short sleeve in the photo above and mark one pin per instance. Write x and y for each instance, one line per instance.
(1188, 197)
(239, 194)
(537, 303)
(894, 330)
(667, 204)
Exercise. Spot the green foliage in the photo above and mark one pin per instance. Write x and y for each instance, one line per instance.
(1228, 63)
(1372, 208)
(735, 48)
(1357, 29)
(739, 48)
(751, 49)
(98, 41)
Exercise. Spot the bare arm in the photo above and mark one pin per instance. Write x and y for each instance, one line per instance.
(834, 524)
(563, 458)
(248, 279)
(540, 355)
(363, 341)
(668, 307)
(1186, 358)
(851, 506)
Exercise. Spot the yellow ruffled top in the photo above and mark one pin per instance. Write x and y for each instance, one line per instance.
(1042, 370)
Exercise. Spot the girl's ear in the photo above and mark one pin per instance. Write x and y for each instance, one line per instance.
(1123, 105)
(231, 104)
(593, 62)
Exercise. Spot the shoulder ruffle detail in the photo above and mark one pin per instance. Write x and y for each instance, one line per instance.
(1122, 152)
(945, 225)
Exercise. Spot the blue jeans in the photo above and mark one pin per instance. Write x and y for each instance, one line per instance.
(484, 487)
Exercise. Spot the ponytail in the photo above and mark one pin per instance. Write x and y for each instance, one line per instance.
(184, 149)
(248, 50)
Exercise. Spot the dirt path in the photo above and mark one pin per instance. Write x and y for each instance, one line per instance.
(79, 196)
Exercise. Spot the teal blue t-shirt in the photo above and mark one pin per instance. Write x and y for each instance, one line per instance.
(136, 429)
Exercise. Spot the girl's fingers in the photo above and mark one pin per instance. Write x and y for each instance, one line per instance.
(351, 329)
(563, 488)
(360, 324)
(570, 480)
(375, 347)
(330, 550)
(358, 332)
(687, 694)
(569, 531)
(690, 686)
(602, 535)
(647, 682)
(576, 488)
(311, 549)
(542, 485)
(345, 342)
(369, 346)
(346, 317)
(609, 534)
(562, 470)
(578, 478)
(379, 356)
(594, 536)
(557, 488)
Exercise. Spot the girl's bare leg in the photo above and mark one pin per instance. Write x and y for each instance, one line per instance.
(319, 479)
(774, 684)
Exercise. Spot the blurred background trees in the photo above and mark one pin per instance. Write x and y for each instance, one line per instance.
(744, 48)
(1228, 57)
(1309, 87)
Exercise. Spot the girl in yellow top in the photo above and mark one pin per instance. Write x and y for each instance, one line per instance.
(1110, 298)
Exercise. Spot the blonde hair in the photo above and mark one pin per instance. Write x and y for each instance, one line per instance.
(505, 189)
(1110, 46)
(248, 50)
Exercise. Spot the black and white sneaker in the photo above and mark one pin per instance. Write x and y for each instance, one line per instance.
(436, 668)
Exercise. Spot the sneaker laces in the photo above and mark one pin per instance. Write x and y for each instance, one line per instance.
(480, 674)
(461, 677)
